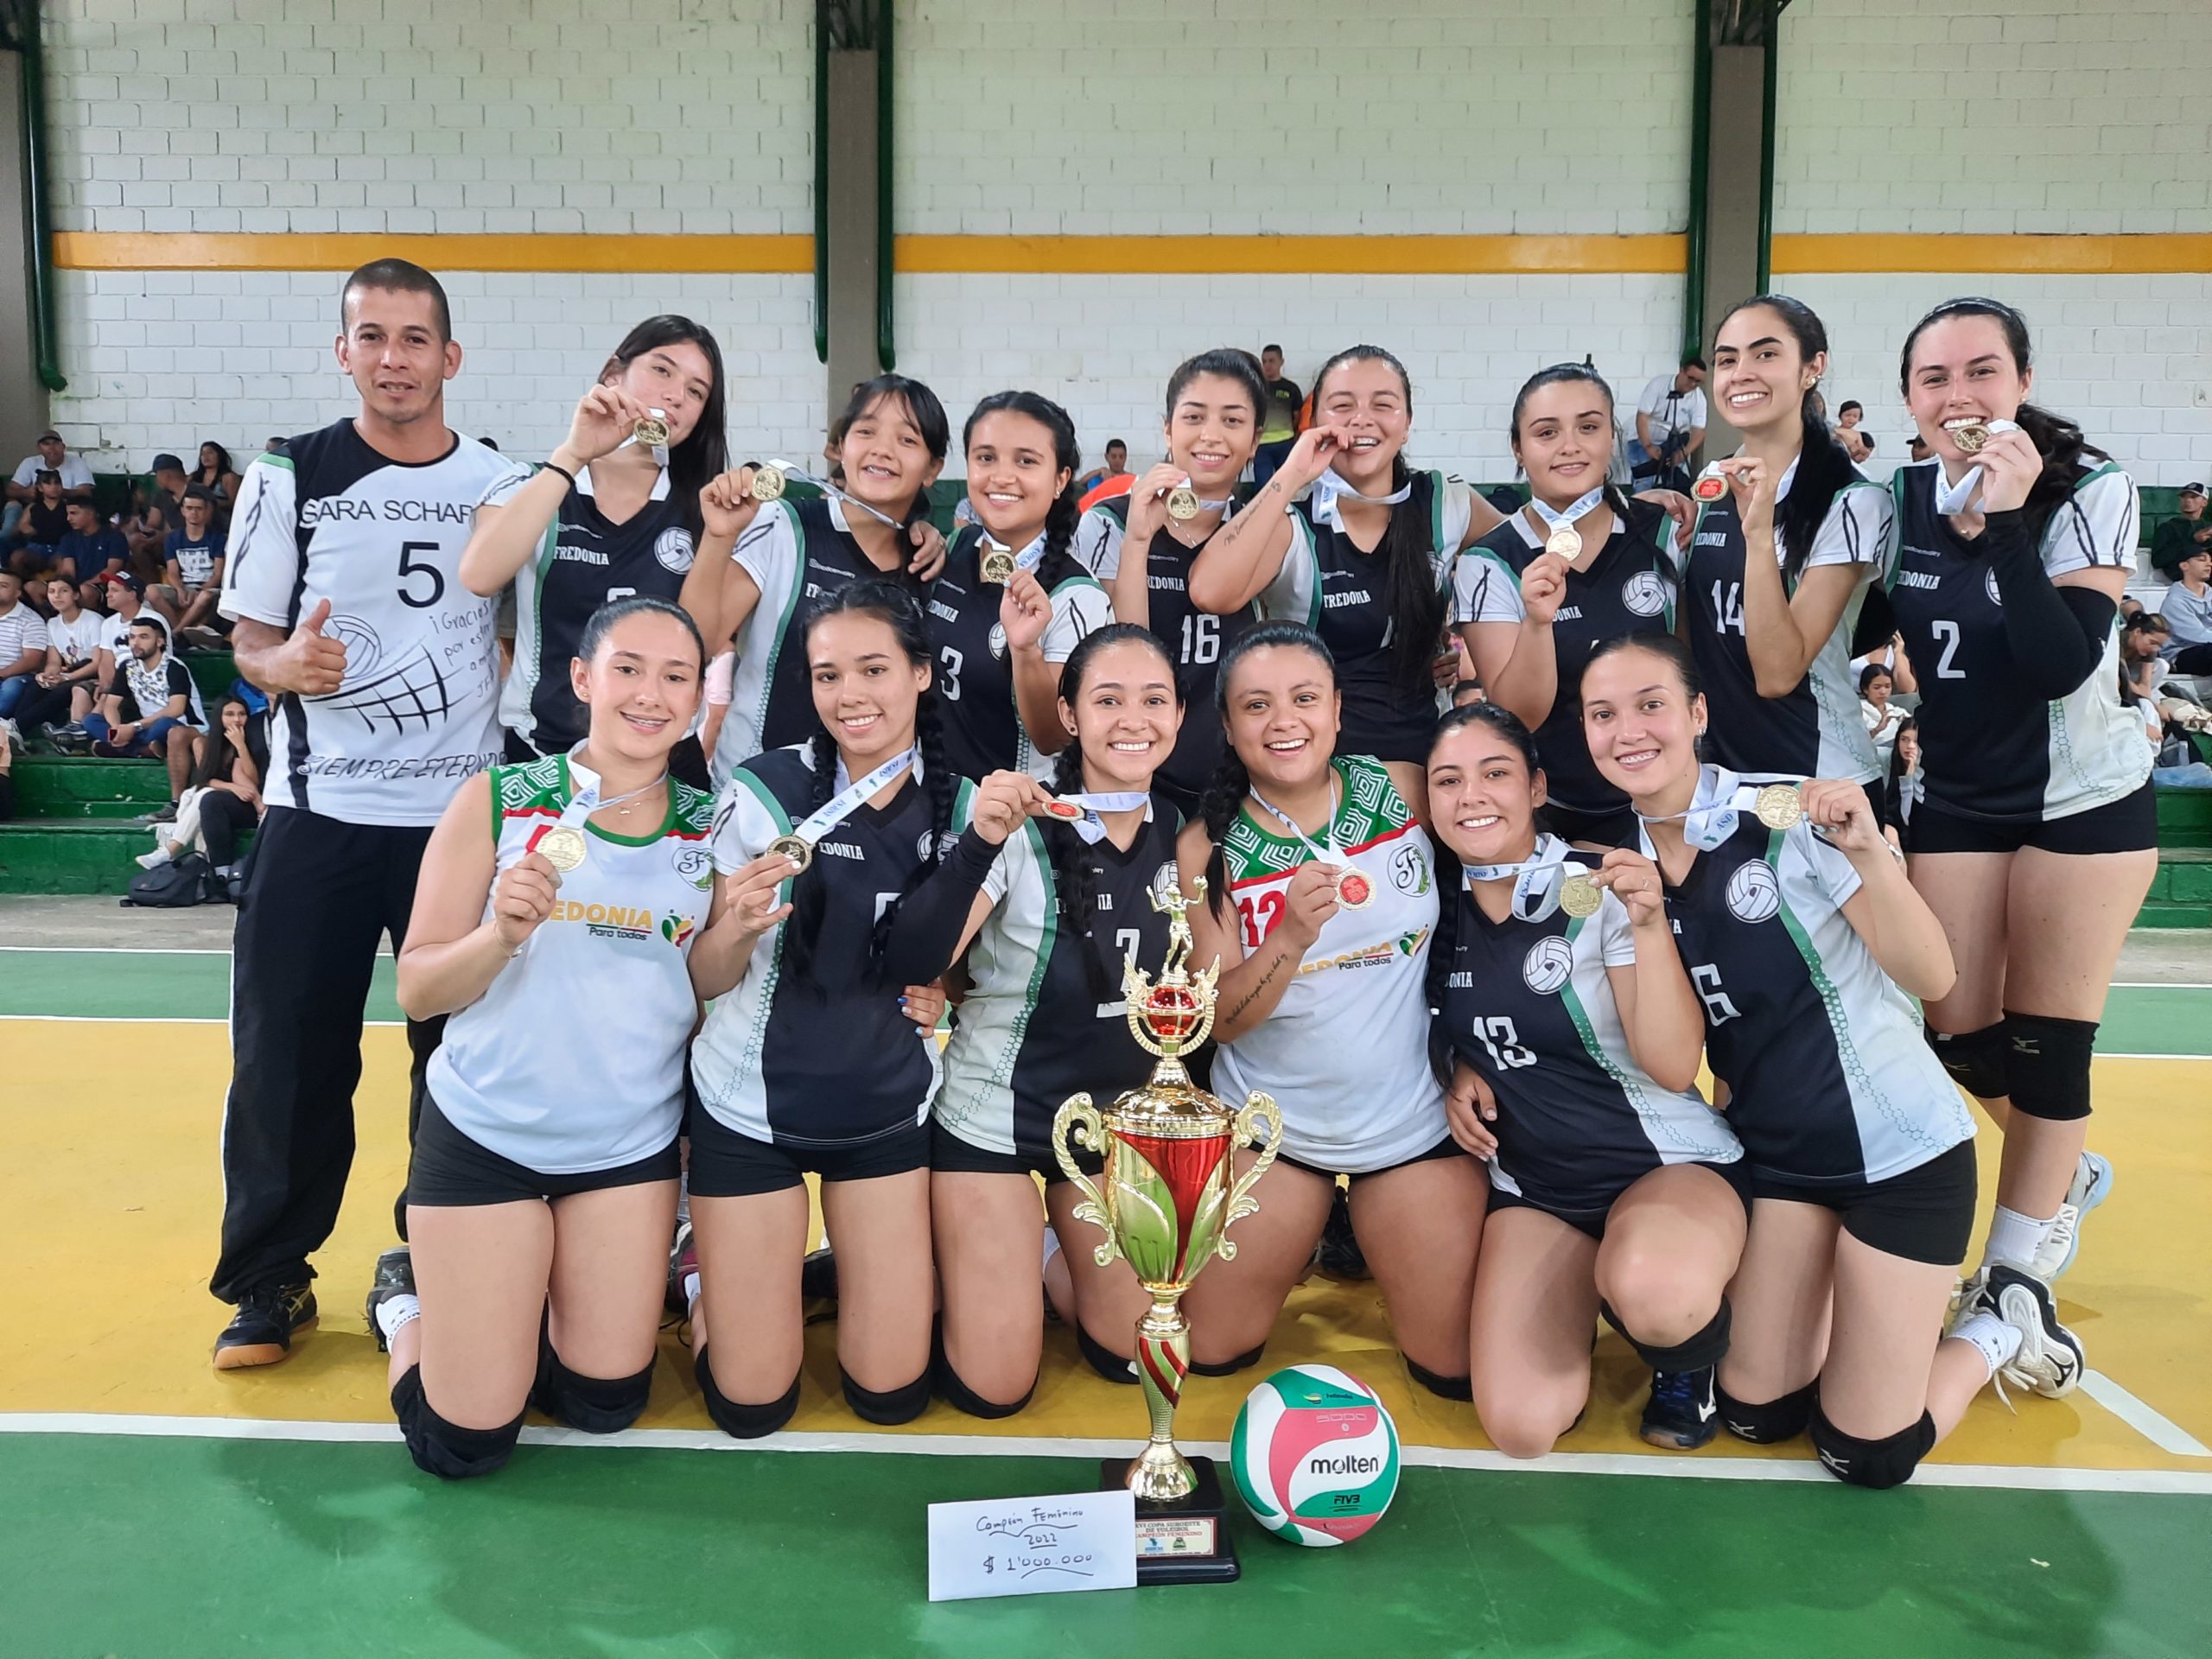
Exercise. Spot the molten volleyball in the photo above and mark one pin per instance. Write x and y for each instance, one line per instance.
(1314, 1455)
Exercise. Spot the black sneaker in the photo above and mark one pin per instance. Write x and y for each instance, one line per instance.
(167, 815)
(1338, 1254)
(261, 1332)
(395, 1276)
(1681, 1414)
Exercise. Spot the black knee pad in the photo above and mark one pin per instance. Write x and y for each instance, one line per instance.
(445, 1449)
(1767, 1423)
(959, 1394)
(1975, 1059)
(2049, 1064)
(1694, 1353)
(1249, 1357)
(740, 1421)
(1103, 1360)
(1446, 1388)
(597, 1405)
(1880, 1464)
(891, 1406)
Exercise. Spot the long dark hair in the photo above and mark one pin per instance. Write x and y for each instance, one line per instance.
(704, 455)
(1411, 592)
(2055, 438)
(922, 408)
(1911, 723)
(214, 760)
(1225, 790)
(1059, 562)
(1074, 873)
(1571, 374)
(1230, 365)
(890, 603)
(199, 471)
(1823, 467)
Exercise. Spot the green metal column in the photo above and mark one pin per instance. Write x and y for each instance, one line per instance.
(1732, 170)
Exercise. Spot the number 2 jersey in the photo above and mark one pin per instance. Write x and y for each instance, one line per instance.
(1990, 748)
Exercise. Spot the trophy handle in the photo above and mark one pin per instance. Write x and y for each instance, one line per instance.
(1078, 1115)
(1258, 1110)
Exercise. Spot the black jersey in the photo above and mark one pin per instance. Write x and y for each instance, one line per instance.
(1628, 588)
(829, 1059)
(1528, 1005)
(1830, 1077)
(585, 561)
(1815, 731)
(1991, 748)
(1035, 1028)
(1327, 582)
(974, 671)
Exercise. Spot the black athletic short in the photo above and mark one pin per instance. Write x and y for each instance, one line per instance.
(2129, 824)
(950, 1156)
(1592, 1222)
(449, 1171)
(1923, 1215)
(727, 1165)
(1447, 1147)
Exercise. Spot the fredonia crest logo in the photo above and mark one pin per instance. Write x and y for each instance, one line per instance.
(677, 930)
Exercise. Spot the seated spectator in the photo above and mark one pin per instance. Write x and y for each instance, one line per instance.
(38, 529)
(145, 530)
(1857, 443)
(169, 480)
(1883, 717)
(1906, 785)
(67, 686)
(54, 457)
(148, 709)
(216, 475)
(2129, 606)
(91, 552)
(2178, 538)
(194, 568)
(1117, 462)
(125, 605)
(2187, 609)
(22, 652)
(224, 796)
(2143, 666)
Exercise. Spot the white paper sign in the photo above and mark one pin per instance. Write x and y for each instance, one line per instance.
(1034, 1545)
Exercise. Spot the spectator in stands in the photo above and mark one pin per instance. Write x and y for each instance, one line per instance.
(68, 684)
(1906, 785)
(143, 531)
(1116, 464)
(216, 475)
(1670, 427)
(1883, 717)
(91, 552)
(40, 527)
(2143, 667)
(192, 565)
(169, 480)
(1857, 443)
(1918, 448)
(2178, 538)
(2186, 608)
(1468, 691)
(126, 603)
(22, 652)
(147, 710)
(223, 797)
(52, 456)
(1279, 420)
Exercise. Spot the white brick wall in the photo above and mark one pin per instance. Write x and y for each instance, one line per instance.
(1958, 116)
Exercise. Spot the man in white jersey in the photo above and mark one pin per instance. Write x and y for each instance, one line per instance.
(382, 671)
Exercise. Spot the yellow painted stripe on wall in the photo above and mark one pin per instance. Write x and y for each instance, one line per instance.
(1384, 256)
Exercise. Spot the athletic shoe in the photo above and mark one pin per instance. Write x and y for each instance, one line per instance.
(2050, 1361)
(159, 856)
(2091, 1186)
(1338, 1254)
(683, 1258)
(395, 1276)
(68, 738)
(1969, 1297)
(261, 1332)
(1682, 1413)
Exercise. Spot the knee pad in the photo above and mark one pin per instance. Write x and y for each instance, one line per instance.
(1975, 1059)
(1694, 1353)
(1445, 1388)
(597, 1405)
(1767, 1423)
(444, 1449)
(891, 1406)
(960, 1397)
(739, 1421)
(1880, 1464)
(1249, 1357)
(2049, 1064)
(1103, 1360)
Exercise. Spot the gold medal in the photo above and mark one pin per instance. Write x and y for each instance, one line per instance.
(562, 847)
(997, 564)
(767, 484)
(1969, 438)
(1354, 890)
(1779, 805)
(1182, 503)
(1711, 483)
(797, 848)
(1580, 896)
(1567, 542)
(652, 431)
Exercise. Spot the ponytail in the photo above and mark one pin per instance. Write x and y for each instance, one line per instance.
(1823, 467)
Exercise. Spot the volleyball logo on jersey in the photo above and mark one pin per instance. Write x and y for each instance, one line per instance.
(1548, 965)
(411, 692)
(998, 641)
(1753, 894)
(1989, 580)
(1646, 594)
(674, 549)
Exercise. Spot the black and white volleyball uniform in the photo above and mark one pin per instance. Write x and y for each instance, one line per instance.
(1530, 1007)
(1045, 1018)
(974, 671)
(584, 561)
(1816, 731)
(1194, 638)
(1340, 592)
(531, 1097)
(820, 1071)
(799, 553)
(2004, 766)
(1832, 1086)
(1627, 588)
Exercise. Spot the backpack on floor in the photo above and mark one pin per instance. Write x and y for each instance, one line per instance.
(173, 886)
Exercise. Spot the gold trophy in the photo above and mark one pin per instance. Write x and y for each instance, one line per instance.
(1166, 1200)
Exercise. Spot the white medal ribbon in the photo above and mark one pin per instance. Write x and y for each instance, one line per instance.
(1555, 520)
(1091, 826)
(826, 488)
(849, 799)
(1028, 559)
(1951, 499)
(1536, 879)
(1331, 854)
(1718, 806)
(1204, 506)
(1328, 487)
(584, 800)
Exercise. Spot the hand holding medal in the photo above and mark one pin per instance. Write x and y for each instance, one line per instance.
(522, 897)
(606, 417)
(1634, 880)
(1002, 801)
(1543, 588)
(1313, 896)
(1840, 815)
(1025, 611)
(726, 504)
(750, 894)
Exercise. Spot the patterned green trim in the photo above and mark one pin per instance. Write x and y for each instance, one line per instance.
(265, 459)
(1301, 543)
(1370, 807)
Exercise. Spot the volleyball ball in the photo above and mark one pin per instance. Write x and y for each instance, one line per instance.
(1314, 1455)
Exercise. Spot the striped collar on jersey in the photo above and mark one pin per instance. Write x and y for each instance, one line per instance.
(1538, 879)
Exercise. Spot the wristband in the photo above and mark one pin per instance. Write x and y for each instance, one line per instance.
(555, 467)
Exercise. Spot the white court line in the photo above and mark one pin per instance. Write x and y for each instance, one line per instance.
(1801, 1469)
(2146, 1421)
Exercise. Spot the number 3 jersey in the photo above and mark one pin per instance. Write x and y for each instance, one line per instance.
(324, 515)
(1529, 1005)
(1830, 1077)
(1346, 1052)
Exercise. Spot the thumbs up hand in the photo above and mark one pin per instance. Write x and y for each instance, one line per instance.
(310, 662)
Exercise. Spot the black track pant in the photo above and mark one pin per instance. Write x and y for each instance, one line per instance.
(321, 896)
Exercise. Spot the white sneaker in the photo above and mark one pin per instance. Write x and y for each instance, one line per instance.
(1969, 1296)
(2050, 1361)
(2091, 1186)
(159, 857)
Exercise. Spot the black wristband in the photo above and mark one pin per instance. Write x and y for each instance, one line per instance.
(555, 467)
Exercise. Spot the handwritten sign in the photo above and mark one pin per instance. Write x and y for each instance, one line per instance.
(1034, 1545)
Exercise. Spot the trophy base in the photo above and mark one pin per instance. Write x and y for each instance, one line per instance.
(1184, 1542)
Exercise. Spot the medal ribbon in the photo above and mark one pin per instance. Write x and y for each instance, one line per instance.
(1556, 520)
(828, 488)
(1952, 499)
(1328, 487)
(1536, 879)
(1030, 556)
(1091, 826)
(1204, 506)
(1715, 810)
(1331, 854)
(584, 800)
(848, 800)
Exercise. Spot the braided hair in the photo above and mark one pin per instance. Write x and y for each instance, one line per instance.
(1226, 789)
(1058, 563)
(887, 601)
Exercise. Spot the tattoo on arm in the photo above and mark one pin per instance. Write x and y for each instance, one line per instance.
(1252, 995)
